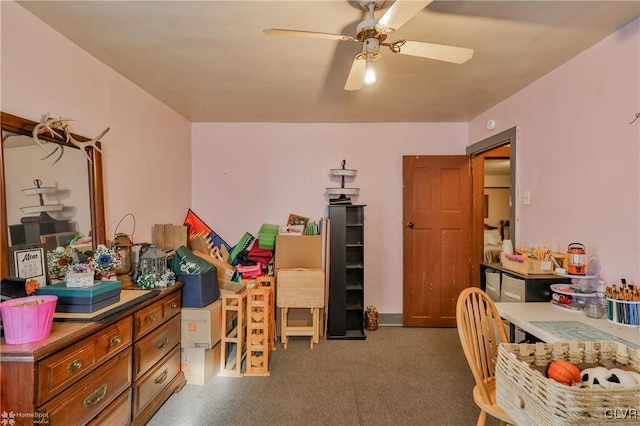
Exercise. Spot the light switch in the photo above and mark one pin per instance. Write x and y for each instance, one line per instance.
(527, 198)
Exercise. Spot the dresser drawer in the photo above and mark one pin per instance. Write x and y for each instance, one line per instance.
(148, 350)
(90, 395)
(155, 380)
(154, 315)
(59, 371)
(118, 413)
(172, 305)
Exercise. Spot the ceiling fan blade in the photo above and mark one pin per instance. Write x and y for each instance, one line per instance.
(311, 34)
(355, 80)
(439, 52)
(398, 14)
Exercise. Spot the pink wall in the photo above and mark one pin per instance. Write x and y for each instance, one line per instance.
(147, 152)
(245, 175)
(577, 153)
(579, 156)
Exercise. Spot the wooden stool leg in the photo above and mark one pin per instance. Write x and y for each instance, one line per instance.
(316, 325)
(283, 319)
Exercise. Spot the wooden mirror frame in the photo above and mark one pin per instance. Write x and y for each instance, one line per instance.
(22, 126)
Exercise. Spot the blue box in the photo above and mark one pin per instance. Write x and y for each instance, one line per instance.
(199, 290)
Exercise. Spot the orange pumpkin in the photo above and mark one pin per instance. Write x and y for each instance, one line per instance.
(563, 372)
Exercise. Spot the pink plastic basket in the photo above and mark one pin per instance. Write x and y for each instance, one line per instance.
(25, 324)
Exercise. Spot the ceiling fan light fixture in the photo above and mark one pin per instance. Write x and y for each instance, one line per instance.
(370, 73)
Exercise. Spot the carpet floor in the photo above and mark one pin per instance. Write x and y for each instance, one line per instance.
(397, 376)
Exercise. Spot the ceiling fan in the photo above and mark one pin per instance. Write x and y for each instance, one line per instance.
(372, 33)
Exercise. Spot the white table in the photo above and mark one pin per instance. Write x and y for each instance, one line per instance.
(522, 315)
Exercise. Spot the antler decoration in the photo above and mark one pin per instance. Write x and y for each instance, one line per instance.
(57, 127)
(90, 143)
(53, 124)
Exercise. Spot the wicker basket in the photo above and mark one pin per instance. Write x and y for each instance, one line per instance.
(530, 398)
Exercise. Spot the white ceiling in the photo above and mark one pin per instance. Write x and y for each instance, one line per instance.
(211, 62)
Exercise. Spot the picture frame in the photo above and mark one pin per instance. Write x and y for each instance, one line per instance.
(29, 261)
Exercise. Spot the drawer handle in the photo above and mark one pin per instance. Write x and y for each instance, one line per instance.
(115, 341)
(163, 343)
(161, 378)
(74, 365)
(512, 295)
(173, 305)
(150, 319)
(96, 396)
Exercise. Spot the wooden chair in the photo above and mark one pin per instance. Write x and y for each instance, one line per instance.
(481, 330)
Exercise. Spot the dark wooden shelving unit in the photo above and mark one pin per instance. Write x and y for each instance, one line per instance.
(346, 272)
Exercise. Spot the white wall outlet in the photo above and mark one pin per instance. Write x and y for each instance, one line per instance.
(527, 198)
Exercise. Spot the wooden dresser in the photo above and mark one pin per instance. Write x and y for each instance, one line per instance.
(116, 372)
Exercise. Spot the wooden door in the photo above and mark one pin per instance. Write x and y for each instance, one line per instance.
(436, 238)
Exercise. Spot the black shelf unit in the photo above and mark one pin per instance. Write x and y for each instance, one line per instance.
(346, 272)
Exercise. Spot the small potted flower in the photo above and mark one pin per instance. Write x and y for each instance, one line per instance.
(58, 262)
(104, 261)
(80, 275)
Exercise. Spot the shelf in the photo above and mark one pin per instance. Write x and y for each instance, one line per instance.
(343, 191)
(343, 172)
(45, 208)
(576, 276)
(41, 190)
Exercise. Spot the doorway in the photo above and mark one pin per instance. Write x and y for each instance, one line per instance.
(440, 261)
(501, 145)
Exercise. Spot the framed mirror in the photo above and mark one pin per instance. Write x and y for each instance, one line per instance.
(45, 198)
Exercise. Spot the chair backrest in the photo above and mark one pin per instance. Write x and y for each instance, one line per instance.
(481, 331)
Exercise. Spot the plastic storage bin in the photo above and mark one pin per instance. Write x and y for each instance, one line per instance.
(30, 323)
(267, 236)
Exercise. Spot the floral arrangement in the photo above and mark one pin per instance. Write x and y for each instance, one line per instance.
(166, 279)
(104, 260)
(80, 268)
(58, 263)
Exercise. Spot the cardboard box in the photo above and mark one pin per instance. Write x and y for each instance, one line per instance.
(298, 251)
(225, 271)
(169, 237)
(199, 290)
(198, 365)
(201, 326)
(230, 287)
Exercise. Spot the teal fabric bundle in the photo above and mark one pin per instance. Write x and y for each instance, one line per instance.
(187, 263)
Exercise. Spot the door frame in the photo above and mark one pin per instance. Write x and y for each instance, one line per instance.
(476, 151)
